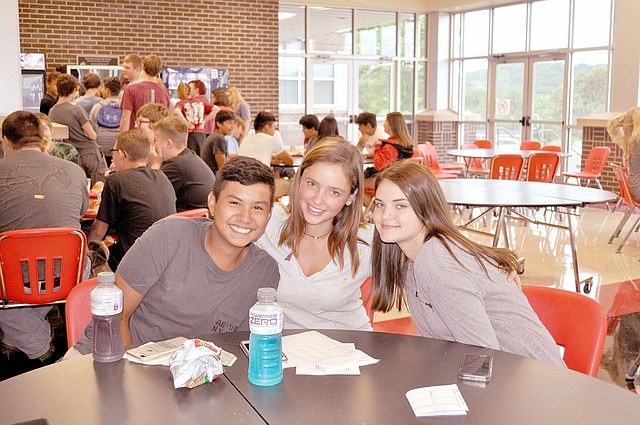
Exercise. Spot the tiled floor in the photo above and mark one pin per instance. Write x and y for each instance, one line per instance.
(616, 276)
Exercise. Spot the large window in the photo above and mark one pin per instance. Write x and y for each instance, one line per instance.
(562, 51)
(343, 61)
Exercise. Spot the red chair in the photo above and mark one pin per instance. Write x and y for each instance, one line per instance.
(506, 167)
(40, 266)
(417, 157)
(592, 170)
(551, 148)
(530, 145)
(622, 176)
(198, 212)
(78, 310)
(483, 144)
(404, 325)
(452, 167)
(541, 167)
(575, 321)
(431, 162)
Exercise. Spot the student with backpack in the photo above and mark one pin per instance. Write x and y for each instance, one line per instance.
(106, 115)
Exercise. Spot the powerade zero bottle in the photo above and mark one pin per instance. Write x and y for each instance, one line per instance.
(106, 309)
(265, 343)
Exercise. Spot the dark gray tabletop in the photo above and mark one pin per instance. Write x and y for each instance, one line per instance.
(522, 391)
(510, 193)
(490, 153)
(79, 391)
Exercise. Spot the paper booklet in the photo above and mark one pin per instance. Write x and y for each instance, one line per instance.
(441, 400)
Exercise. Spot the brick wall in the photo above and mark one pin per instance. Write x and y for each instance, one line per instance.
(598, 136)
(239, 35)
(441, 134)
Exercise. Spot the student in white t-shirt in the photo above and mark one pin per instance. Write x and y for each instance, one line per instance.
(262, 145)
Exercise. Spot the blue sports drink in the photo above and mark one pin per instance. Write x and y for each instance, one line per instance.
(265, 343)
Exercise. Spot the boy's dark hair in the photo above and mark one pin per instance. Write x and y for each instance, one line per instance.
(91, 81)
(66, 85)
(223, 116)
(367, 118)
(135, 144)
(246, 171)
(22, 128)
(263, 118)
(310, 121)
(113, 84)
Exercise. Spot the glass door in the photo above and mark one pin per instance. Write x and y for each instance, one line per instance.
(528, 101)
(506, 117)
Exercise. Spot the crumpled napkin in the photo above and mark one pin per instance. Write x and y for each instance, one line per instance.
(196, 362)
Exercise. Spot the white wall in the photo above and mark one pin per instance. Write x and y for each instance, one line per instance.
(10, 77)
(625, 79)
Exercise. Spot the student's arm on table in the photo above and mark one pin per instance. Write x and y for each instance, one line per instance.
(283, 157)
(132, 300)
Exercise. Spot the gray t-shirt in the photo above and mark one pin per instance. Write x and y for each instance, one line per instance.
(634, 173)
(185, 292)
(40, 190)
(455, 303)
(74, 117)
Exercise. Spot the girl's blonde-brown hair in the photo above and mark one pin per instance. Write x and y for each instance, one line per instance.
(625, 131)
(333, 151)
(428, 202)
(398, 127)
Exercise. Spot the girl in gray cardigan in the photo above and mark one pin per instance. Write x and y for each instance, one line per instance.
(456, 289)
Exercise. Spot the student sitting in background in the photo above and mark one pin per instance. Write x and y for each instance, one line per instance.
(456, 289)
(133, 198)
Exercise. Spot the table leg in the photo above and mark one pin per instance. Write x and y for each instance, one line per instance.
(588, 282)
(499, 227)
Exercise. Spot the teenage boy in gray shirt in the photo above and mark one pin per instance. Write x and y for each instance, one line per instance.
(187, 277)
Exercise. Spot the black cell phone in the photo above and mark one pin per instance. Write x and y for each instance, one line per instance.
(476, 367)
(245, 349)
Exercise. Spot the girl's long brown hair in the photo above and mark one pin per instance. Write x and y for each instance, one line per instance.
(427, 201)
(398, 127)
(335, 151)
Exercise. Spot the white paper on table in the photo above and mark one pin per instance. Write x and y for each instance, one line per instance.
(307, 348)
(440, 400)
(345, 358)
(311, 369)
(161, 361)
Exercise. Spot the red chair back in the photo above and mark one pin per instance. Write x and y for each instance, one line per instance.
(575, 321)
(506, 167)
(542, 166)
(417, 157)
(596, 160)
(483, 144)
(401, 325)
(530, 145)
(78, 310)
(551, 148)
(622, 176)
(198, 212)
(474, 165)
(40, 266)
(430, 156)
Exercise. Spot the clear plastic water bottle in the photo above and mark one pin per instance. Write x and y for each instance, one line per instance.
(265, 343)
(106, 309)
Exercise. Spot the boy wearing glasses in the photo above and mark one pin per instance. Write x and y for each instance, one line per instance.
(134, 197)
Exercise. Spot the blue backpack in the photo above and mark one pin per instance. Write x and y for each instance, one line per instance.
(109, 116)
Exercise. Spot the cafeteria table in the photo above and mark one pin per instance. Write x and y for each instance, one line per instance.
(490, 153)
(522, 391)
(507, 194)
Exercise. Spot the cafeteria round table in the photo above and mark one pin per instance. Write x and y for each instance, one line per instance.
(522, 391)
